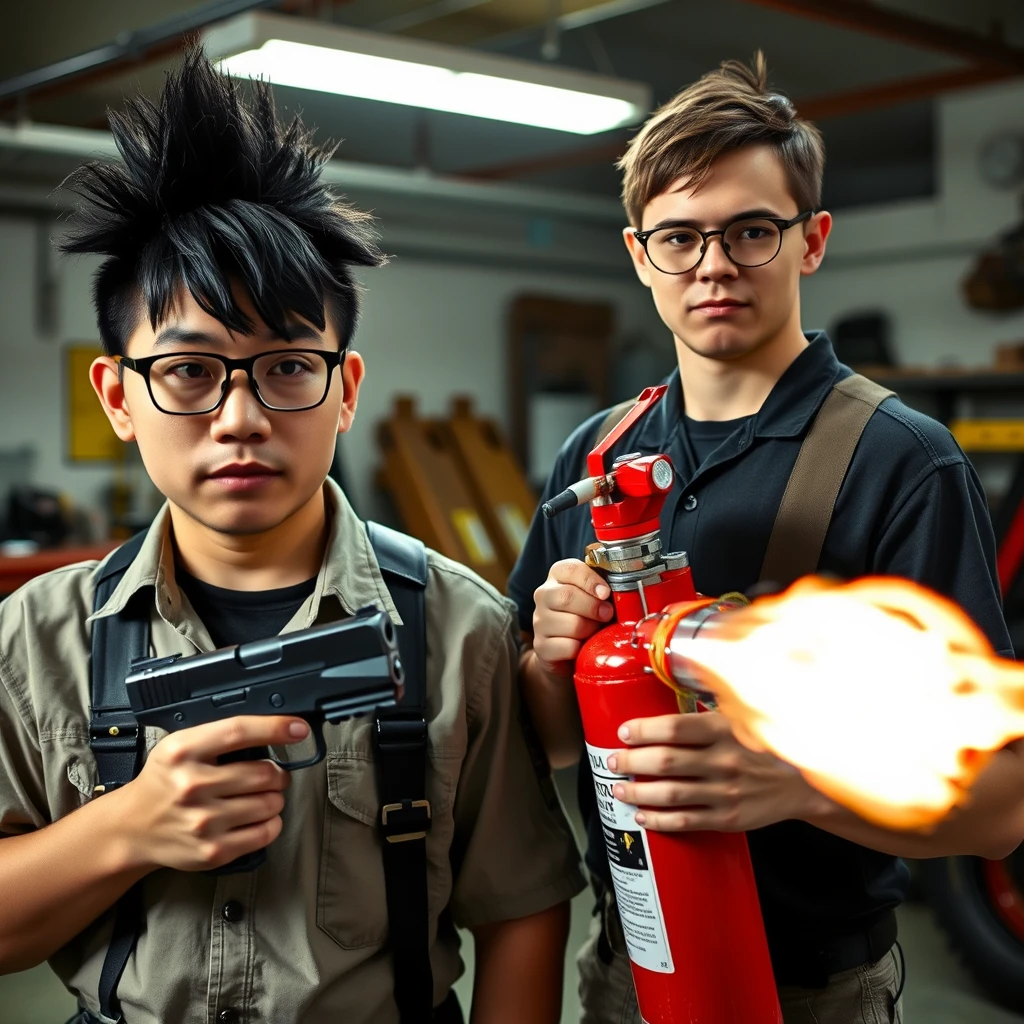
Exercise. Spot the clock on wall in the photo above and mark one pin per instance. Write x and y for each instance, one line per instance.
(1001, 160)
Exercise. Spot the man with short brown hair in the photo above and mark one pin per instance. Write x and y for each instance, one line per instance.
(722, 187)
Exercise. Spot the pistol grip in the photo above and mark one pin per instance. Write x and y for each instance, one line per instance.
(248, 861)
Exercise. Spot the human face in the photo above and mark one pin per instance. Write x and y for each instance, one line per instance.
(719, 310)
(241, 469)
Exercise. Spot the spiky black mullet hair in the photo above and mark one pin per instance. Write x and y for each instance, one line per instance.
(213, 190)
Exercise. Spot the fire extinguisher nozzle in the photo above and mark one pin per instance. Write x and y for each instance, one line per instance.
(560, 502)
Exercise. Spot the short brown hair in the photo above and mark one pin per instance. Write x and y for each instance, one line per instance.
(725, 110)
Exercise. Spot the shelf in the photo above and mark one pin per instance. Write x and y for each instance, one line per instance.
(16, 570)
(989, 435)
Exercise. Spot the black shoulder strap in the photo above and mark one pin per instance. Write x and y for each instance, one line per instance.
(400, 750)
(116, 641)
(114, 737)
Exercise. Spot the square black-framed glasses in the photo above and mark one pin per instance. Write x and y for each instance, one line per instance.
(144, 365)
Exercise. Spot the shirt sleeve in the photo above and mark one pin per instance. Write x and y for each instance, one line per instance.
(941, 536)
(513, 852)
(22, 786)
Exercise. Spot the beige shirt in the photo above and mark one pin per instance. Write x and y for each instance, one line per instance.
(310, 943)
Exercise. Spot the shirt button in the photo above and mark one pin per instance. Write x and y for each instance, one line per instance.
(228, 1016)
(690, 502)
(232, 911)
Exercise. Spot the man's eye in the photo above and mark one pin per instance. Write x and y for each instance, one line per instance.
(289, 368)
(188, 371)
(682, 239)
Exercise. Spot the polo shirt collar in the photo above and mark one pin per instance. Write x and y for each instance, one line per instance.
(789, 408)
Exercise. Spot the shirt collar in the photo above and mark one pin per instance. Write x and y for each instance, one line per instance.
(786, 412)
(349, 571)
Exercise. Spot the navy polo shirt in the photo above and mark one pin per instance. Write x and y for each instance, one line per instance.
(911, 505)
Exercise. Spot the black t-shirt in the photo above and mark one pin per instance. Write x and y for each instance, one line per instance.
(704, 436)
(240, 616)
(911, 505)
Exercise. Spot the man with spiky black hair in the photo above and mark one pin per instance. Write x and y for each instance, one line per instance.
(226, 304)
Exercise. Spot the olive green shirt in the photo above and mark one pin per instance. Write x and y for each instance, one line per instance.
(304, 937)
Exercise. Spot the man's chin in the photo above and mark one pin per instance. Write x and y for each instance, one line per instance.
(723, 345)
(237, 521)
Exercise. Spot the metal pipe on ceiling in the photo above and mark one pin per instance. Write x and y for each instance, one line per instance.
(83, 144)
(448, 246)
(130, 46)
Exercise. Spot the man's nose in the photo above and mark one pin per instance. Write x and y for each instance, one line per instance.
(240, 414)
(716, 264)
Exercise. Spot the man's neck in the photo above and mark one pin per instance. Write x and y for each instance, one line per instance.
(288, 553)
(716, 389)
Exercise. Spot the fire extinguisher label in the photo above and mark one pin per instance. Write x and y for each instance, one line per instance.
(636, 889)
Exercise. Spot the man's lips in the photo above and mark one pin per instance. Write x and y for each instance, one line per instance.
(715, 309)
(719, 304)
(244, 469)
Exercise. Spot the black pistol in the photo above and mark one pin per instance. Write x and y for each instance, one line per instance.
(322, 674)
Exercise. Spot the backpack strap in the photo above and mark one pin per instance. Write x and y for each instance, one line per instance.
(608, 424)
(115, 739)
(400, 754)
(116, 641)
(821, 466)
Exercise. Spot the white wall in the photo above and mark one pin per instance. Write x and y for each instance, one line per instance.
(438, 328)
(431, 329)
(910, 258)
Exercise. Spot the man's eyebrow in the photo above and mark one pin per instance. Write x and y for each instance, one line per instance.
(297, 331)
(742, 215)
(189, 335)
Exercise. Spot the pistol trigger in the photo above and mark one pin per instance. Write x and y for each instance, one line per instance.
(317, 729)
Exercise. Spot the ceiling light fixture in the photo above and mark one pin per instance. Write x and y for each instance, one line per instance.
(305, 54)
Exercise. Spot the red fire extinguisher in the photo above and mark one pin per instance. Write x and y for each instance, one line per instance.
(688, 901)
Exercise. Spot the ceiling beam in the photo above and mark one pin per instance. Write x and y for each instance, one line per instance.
(865, 16)
(813, 108)
(130, 50)
(891, 94)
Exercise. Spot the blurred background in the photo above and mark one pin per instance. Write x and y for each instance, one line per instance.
(510, 311)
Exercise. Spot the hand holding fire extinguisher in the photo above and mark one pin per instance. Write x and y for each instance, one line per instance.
(688, 901)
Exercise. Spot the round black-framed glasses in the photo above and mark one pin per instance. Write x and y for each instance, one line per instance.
(195, 383)
(747, 242)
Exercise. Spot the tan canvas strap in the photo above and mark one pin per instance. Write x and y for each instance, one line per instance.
(821, 465)
(608, 424)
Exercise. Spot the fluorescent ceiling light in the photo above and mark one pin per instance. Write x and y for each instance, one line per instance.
(310, 55)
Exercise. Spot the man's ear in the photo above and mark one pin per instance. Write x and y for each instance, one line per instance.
(819, 227)
(105, 377)
(352, 373)
(639, 256)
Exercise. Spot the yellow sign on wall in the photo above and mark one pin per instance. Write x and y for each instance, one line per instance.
(90, 437)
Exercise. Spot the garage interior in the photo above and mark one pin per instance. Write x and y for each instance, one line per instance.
(509, 311)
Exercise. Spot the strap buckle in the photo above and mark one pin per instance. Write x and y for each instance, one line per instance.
(402, 822)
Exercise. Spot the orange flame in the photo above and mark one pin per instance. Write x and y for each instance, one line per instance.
(885, 695)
